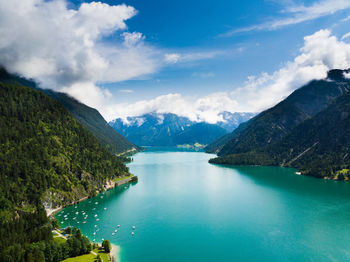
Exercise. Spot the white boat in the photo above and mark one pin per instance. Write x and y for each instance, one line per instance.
(118, 226)
(132, 233)
(133, 227)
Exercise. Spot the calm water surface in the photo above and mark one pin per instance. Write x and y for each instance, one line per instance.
(185, 209)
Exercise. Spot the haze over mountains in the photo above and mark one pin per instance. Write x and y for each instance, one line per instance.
(156, 129)
(308, 130)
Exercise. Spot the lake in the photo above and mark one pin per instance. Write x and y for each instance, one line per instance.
(185, 209)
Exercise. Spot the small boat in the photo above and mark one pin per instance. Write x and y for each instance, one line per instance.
(133, 227)
(98, 219)
(95, 225)
(84, 222)
(105, 208)
(94, 233)
(113, 233)
(95, 215)
(116, 230)
(96, 203)
(118, 226)
(132, 233)
(76, 213)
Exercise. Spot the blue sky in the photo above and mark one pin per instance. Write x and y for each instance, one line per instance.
(197, 26)
(194, 58)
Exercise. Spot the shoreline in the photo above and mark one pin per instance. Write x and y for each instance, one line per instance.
(108, 185)
(115, 253)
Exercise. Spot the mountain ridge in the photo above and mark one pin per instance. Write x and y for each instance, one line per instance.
(167, 129)
(318, 146)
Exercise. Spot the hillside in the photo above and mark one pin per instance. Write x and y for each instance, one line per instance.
(89, 117)
(166, 130)
(318, 146)
(93, 121)
(46, 157)
(275, 123)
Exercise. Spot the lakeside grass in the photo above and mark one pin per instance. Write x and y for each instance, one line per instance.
(84, 258)
(90, 257)
(59, 240)
(116, 180)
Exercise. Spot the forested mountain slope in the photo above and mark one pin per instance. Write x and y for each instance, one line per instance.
(275, 123)
(92, 120)
(89, 117)
(46, 156)
(319, 146)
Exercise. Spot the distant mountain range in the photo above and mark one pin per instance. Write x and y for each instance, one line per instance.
(308, 130)
(168, 129)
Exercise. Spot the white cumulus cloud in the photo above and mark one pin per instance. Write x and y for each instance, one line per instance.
(63, 48)
(321, 52)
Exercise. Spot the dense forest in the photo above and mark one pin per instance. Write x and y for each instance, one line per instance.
(46, 157)
(317, 146)
(93, 121)
(89, 117)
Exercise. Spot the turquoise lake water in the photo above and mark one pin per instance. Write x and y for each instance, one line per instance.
(185, 209)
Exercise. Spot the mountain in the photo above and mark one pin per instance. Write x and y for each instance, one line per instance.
(166, 130)
(93, 121)
(275, 123)
(318, 146)
(89, 117)
(232, 120)
(46, 157)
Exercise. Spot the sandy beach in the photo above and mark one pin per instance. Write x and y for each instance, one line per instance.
(50, 211)
(115, 255)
